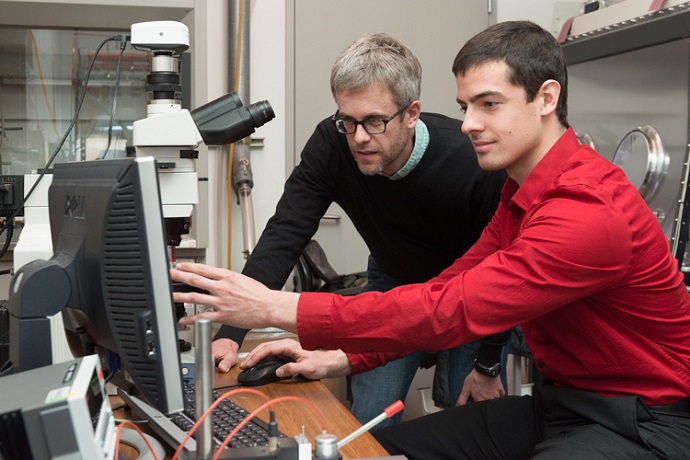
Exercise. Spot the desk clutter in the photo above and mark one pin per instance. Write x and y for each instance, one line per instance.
(252, 440)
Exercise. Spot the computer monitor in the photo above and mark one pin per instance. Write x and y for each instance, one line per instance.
(109, 276)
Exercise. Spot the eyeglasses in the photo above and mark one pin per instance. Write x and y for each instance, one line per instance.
(372, 125)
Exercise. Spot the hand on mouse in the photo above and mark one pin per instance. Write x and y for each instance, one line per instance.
(313, 365)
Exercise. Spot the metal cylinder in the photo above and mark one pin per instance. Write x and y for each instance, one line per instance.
(326, 447)
(204, 370)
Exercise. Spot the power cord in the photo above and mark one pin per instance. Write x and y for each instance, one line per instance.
(123, 44)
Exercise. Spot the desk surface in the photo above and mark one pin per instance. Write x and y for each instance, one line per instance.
(292, 416)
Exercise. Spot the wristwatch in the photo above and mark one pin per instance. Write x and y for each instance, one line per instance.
(490, 371)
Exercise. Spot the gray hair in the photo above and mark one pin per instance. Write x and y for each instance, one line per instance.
(378, 59)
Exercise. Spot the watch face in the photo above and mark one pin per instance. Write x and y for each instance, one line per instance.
(642, 157)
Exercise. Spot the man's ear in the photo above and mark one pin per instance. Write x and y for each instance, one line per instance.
(549, 92)
(413, 111)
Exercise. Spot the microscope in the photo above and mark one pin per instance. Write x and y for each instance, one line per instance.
(172, 134)
(168, 133)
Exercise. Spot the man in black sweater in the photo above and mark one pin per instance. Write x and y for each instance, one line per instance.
(410, 183)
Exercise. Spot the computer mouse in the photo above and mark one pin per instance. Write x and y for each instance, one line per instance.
(264, 371)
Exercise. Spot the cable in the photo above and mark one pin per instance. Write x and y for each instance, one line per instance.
(64, 137)
(209, 411)
(264, 406)
(235, 385)
(9, 226)
(123, 45)
(135, 428)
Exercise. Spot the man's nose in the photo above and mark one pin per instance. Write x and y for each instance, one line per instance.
(361, 134)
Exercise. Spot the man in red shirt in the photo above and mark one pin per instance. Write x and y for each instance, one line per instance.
(573, 254)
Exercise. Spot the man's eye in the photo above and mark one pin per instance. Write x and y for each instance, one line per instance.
(490, 104)
(374, 121)
(463, 109)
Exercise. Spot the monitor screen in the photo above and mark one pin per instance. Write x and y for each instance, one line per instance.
(109, 276)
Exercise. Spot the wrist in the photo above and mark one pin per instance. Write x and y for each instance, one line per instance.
(282, 312)
(491, 370)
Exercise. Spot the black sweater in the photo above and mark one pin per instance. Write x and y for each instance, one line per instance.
(414, 227)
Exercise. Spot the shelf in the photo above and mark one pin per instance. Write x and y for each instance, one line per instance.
(661, 27)
(91, 14)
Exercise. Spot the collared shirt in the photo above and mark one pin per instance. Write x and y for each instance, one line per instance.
(574, 255)
(421, 142)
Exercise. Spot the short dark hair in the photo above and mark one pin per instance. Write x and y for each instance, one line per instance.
(532, 54)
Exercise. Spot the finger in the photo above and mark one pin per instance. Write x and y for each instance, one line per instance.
(288, 370)
(226, 363)
(197, 298)
(285, 347)
(303, 368)
(202, 270)
(210, 315)
(254, 356)
(464, 396)
(189, 279)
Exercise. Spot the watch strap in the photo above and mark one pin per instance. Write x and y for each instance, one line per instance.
(492, 371)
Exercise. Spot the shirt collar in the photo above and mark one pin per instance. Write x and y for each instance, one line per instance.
(544, 173)
(421, 142)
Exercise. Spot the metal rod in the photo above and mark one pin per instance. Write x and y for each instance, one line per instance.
(203, 365)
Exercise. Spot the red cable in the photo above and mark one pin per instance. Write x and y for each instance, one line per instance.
(209, 410)
(136, 428)
(265, 405)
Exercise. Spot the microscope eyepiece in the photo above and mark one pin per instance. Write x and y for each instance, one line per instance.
(261, 112)
(225, 120)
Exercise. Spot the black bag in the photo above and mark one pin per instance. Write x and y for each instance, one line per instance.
(314, 273)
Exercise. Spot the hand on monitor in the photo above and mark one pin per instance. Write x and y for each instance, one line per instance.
(234, 299)
(313, 365)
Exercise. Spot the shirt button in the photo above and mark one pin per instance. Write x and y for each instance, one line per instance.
(540, 364)
(369, 350)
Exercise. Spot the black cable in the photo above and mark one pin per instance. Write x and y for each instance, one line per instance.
(64, 138)
(228, 386)
(9, 226)
(272, 432)
(123, 45)
(7, 368)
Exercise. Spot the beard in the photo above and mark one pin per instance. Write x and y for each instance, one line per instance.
(376, 163)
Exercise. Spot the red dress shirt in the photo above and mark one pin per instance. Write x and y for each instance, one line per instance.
(574, 255)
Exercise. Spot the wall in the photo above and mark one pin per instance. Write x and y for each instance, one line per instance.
(268, 81)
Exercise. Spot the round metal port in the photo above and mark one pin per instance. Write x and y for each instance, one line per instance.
(642, 157)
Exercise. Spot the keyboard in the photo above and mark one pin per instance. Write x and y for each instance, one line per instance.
(225, 418)
(250, 442)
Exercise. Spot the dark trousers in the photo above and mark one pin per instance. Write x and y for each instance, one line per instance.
(560, 424)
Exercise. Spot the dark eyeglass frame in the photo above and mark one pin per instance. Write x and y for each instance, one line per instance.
(340, 122)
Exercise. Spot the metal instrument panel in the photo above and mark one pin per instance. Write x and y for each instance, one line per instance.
(613, 100)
